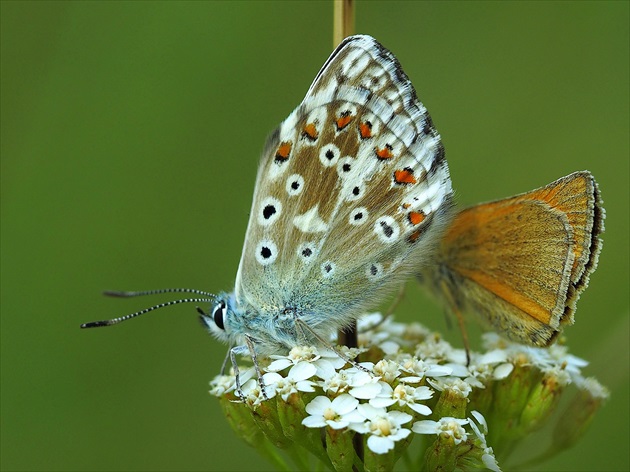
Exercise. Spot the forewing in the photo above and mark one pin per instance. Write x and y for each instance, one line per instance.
(350, 189)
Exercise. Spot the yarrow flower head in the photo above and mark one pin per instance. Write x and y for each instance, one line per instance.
(407, 382)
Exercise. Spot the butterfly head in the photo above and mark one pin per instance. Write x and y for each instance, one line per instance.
(220, 322)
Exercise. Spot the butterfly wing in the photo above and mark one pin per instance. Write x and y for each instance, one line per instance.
(350, 189)
(521, 263)
(576, 196)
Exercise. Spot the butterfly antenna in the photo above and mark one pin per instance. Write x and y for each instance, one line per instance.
(123, 294)
(113, 293)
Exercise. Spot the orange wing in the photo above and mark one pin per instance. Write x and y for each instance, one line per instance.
(522, 262)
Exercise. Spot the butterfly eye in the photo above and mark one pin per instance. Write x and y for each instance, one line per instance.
(218, 314)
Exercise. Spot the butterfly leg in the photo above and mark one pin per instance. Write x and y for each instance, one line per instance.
(225, 360)
(250, 345)
(233, 351)
(306, 327)
(301, 335)
(462, 328)
(239, 350)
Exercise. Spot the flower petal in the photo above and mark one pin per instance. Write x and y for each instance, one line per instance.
(382, 402)
(337, 424)
(380, 444)
(399, 417)
(302, 371)
(420, 408)
(502, 371)
(366, 391)
(344, 404)
(314, 422)
(317, 405)
(279, 365)
(481, 420)
(425, 427)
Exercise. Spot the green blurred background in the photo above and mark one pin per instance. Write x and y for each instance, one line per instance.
(130, 138)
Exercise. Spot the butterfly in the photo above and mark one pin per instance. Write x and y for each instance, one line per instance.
(351, 197)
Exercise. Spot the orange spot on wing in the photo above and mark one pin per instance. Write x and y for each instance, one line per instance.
(406, 205)
(365, 129)
(310, 132)
(404, 176)
(413, 237)
(343, 121)
(385, 153)
(416, 217)
(284, 151)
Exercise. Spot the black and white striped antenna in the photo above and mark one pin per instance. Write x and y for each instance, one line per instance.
(113, 293)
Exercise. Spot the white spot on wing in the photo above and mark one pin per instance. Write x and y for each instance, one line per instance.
(358, 216)
(307, 252)
(328, 269)
(348, 65)
(353, 95)
(374, 271)
(288, 126)
(310, 222)
(387, 229)
(345, 166)
(266, 252)
(269, 211)
(295, 184)
(346, 109)
(329, 154)
(354, 191)
(375, 79)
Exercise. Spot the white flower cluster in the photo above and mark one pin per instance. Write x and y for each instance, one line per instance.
(383, 402)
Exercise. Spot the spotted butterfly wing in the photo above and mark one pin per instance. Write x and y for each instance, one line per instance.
(351, 191)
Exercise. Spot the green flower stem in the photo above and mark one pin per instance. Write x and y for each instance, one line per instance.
(542, 401)
(267, 419)
(290, 414)
(572, 424)
(378, 462)
(577, 417)
(451, 403)
(242, 422)
(414, 456)
(510, 397)
(441, 455)
(340, 447)
(482, 399)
